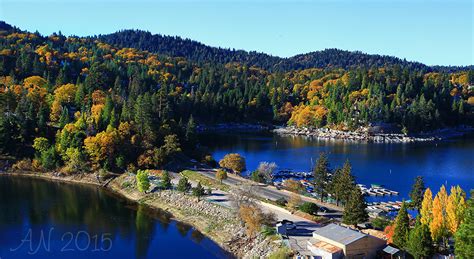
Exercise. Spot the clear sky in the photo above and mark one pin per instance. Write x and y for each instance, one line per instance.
(430, 31)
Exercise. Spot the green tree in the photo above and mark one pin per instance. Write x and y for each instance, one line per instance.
(464, 237)
(198, 191)
(49, 158)
(354, 211)
(321, 176)
(183, 185)
(420, 244)
(143, 182)
(166, 181)
(402, 227)
(417, 192)
(309, 207)
(258, 177)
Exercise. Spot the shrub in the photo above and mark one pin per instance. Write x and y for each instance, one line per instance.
(380, 223)
(281, 201)
(23, 165)
(257, 177)
(309, 207)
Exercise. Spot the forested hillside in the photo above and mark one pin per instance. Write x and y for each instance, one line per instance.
(89, 99)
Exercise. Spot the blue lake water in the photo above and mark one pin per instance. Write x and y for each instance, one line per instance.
(42, 219)
(394, 165)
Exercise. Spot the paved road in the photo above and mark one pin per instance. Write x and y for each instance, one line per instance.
(269, 192)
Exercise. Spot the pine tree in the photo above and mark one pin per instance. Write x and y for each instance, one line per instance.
(183, 185)
(64, 119)
(354, 211)
(321, 176)
(464, 245)
(198, 191)
(426, 211)
(402, 227)
(416, 193)
(420, 244)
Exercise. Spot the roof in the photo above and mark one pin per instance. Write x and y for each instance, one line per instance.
(391, 250)
(325, 246)
(339, 234)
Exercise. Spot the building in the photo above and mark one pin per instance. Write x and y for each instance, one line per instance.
(334, 241)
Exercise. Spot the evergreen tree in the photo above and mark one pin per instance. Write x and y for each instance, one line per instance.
(419, 243)
(354, 211)
(198, 191)
(464, 245)
(416, 193)
(64, 119)
(321, 176)
(402, 228)
(183, 185)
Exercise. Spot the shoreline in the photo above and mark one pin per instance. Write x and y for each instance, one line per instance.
(134, 196)
(361, 136)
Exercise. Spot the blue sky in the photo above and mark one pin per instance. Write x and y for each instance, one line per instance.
(433, 32)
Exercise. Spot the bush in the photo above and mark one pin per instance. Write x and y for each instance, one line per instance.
(309, 207)
(268, 231)
(126, 184)
(281, 201)
(380, 223)
(23, 165)
(257, 177)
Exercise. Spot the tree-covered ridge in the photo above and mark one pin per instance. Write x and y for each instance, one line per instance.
(200, 53)
(115, 106)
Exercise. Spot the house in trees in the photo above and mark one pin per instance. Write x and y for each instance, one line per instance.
(334, 241)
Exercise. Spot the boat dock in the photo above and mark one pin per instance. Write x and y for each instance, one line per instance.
(376, 190)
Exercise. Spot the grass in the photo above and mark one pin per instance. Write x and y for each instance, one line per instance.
(204, 180)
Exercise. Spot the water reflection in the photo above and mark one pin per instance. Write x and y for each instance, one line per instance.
(84, 214)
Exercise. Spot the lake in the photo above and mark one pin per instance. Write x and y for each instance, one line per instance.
(58, 220)
(394, 165)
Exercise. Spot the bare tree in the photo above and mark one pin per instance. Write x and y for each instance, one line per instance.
(266, 169)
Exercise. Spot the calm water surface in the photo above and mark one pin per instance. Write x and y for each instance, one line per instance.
(45, 219)
(395, 166)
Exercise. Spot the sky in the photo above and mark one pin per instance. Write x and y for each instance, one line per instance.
(433, 32)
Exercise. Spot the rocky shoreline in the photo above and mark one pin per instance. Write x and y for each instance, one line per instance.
(365, 136)
(234, 127)
(216, 222)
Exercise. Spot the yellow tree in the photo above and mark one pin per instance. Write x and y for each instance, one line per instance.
(455, 208)
(438, 226)
(427, 208)
(252, 216)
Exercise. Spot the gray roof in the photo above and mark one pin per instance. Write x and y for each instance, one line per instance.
(339, 234)
(391, 250)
